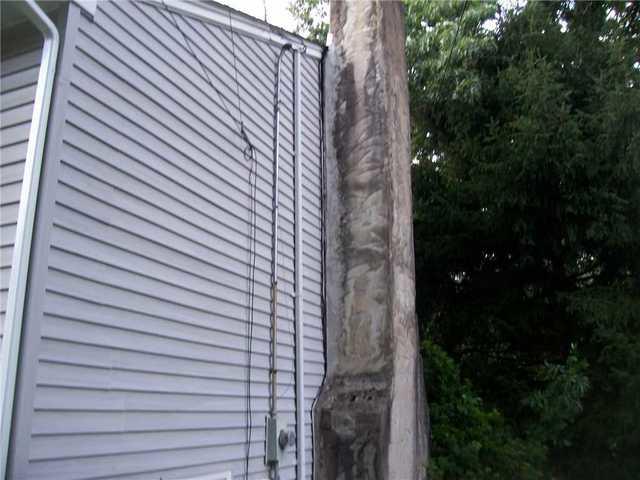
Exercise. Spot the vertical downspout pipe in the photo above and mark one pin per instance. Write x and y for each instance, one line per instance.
(273, 406)
(273, 411)
(25, 224)
(299, 315)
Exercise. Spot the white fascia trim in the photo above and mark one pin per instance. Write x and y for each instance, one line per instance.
(212, 13)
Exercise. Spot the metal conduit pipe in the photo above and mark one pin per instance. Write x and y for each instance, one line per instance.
(275, 198)
(299, 315)
(25, 223)
(299, 335)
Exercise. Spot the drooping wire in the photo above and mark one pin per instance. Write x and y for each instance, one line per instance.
(455, 38)
(235, 67)
(253, 180)
(204, 69)
(250, 155)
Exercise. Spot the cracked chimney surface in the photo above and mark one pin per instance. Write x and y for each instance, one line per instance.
(370, 417)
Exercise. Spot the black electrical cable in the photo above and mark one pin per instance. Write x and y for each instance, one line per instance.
(250, 155)
(235, 67)
(253, 172)
(455, 38)
(204, 69)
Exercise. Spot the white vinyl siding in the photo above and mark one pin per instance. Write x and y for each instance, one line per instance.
(19, 76)
(142, 361)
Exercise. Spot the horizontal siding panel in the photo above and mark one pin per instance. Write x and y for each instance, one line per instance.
(159, 107)
(6, 253)
(185, 339)
(209, 200)
(142, 364)
(71, 377)
(12, 64)
(152, 223)
(83, 136)
(20, 78)
(202, 277)
(83, 345)
(5, 274)
(162, 141)
(214, 50)
(7, 232)
(18, 96)
(56, 398)
(80, 446)
(214, 234)
(154, 300)
(312, 251)
(115, 224)
(17, 91)
(112, 466)
(133, 245)
(11, 173)
(13, 154)
(10, 192)
(193, 91)
(9, 216)
(149, 186)
(256, 469)
(16, 116)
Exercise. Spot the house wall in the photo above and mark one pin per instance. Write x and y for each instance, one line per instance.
(134, 357)
(314, 353)
(18, 77)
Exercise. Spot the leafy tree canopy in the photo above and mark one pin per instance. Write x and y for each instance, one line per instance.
(527, 207)
(312, 18)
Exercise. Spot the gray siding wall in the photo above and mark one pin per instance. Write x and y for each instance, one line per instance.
(312, 246)
(140, 364)
(17, 90)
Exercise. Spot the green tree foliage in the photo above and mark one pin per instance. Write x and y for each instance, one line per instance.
(526, 136)
(605, 440)
(470, 439)
(525, 126)
(312, 18)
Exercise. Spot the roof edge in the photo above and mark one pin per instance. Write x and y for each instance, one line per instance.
(227, 17)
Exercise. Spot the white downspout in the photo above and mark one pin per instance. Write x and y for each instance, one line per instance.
(299, 315)
(24, 227)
